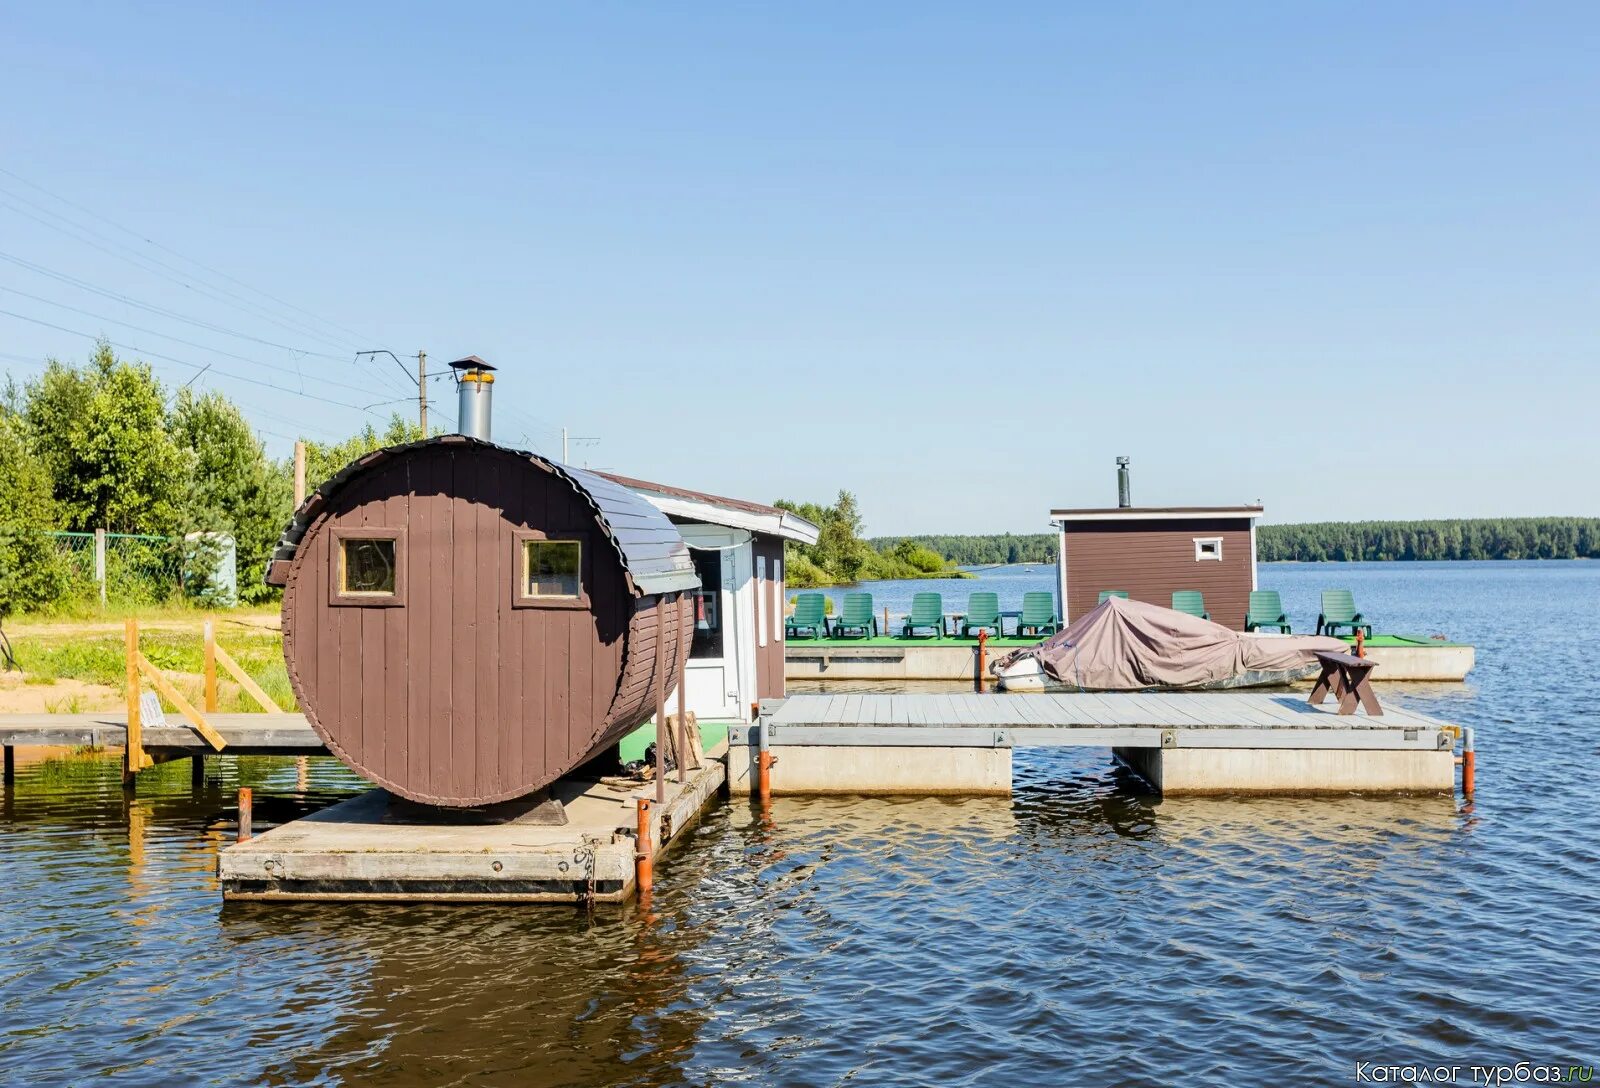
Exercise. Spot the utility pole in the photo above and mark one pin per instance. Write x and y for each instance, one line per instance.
(565, 460)
(299, 473)
(422, 390)
(421, 379)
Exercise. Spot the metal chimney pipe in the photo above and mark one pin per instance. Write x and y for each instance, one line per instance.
(475, 397)
(1123, 499)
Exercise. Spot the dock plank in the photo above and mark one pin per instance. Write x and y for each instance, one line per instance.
(1205, 719)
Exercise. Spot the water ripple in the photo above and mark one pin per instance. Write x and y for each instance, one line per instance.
(1081, 932)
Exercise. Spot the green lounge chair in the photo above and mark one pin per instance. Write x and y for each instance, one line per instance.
(810, 614)
(1190, 601)
(1266, 610)
(855, 618)
(927, 610)
(1339, 610)
(1038, 614)
(1106, 594)
(983, 614)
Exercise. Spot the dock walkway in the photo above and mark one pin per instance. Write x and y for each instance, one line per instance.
(244, 734)
(1113, 719)
(1180, 742)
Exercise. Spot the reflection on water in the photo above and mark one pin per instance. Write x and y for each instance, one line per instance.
(1079, 932)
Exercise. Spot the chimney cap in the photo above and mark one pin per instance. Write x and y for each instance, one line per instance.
(471, 362)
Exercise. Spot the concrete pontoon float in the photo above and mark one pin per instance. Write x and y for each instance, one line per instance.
(1180, 743)
(1415, 657)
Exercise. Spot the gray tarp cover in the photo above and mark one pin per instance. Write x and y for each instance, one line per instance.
(1127, 645)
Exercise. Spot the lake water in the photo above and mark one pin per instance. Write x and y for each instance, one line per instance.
(1077, 933)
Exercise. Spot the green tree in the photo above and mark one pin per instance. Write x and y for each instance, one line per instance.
(840, 555)
(1481, 538)
(33, 574)
(230, 484)
(324, 459)
(101, 431)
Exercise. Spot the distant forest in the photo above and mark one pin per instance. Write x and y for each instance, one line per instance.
(982, 551)
(1481, 538)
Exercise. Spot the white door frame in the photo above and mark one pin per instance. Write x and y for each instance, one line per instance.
(737, 662)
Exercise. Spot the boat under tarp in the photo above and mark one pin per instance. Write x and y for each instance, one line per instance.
(1125, 645)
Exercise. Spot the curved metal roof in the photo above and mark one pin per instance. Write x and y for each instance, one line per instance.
(653, 555)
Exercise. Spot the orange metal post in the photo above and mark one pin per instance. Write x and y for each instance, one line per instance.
(764, 776)
(983, 648)
(1469, 763)
(643, 854)
(1361, 643)
(246, 813)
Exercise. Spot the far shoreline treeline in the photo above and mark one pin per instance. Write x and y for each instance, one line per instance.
(1325, 541)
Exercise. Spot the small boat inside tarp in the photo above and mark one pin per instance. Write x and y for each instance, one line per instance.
(1125, 645)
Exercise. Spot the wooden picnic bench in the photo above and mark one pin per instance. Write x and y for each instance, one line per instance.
(1348, 677)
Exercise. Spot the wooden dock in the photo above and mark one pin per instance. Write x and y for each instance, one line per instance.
(1181, 742)
(244, 734)
(1113, 719)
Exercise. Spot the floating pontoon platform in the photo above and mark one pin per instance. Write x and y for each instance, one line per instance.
(1180, 742)
(374, 847)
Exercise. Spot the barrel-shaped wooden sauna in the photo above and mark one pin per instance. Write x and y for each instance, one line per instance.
(465, 623)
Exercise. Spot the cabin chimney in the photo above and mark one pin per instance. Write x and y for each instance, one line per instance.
(1123, 500)
(475, 386)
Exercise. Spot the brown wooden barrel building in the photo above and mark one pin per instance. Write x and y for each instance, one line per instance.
(464, 623)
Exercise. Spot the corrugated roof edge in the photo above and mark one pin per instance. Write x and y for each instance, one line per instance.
(645, 576)
(721, 510)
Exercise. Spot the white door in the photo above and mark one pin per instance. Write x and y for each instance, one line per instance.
(711, 685)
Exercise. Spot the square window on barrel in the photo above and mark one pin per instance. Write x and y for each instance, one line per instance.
(552, 568)
(367, 566)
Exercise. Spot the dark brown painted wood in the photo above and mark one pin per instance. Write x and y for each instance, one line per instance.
(1151, 559)
(456, 697)
(769, 658)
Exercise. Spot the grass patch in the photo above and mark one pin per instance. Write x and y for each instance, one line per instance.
(96, 657)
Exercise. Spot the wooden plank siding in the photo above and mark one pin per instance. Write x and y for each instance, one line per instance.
(1151, 559)
(456, 696)
(769, 658)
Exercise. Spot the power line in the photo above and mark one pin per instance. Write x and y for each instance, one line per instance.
(181, 362)
(174, 275)
(167, 249)
(169, 336)
(160, 311)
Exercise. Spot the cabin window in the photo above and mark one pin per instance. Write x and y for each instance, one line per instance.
(552, 567)
(549, 570)
(1208, 547)
(368, 566)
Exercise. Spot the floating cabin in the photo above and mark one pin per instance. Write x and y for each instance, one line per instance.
(1149, 552)
(465, 623)
(737, 655)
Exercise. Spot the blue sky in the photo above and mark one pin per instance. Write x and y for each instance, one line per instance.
(952, 258)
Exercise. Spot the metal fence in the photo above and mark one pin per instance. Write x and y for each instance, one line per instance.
(122, 568)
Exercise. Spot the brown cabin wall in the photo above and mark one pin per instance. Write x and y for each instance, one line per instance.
(669, 619)
(456, 697)
(1151, 559)
(769, 658)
